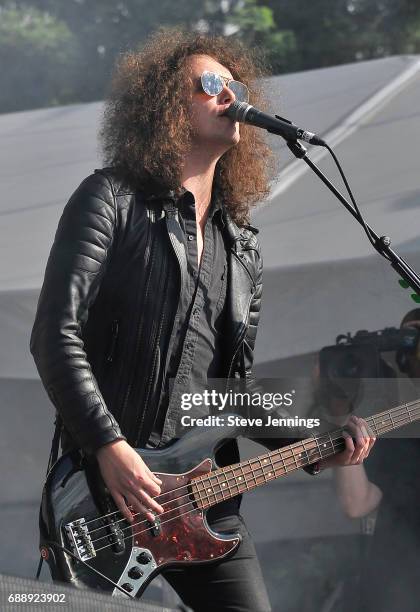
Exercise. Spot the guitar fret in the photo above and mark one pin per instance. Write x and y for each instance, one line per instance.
(243, 477)
(258, 468)
(283, 462)
(205, 491)
(323, 448)
(197, 493)
(252, 474)
(318, 448)
(231, 493)
(210, 490)
(331, 442)
(383, 422)
(306, 452)
(265, 461)
(309, 458)
(392, 420)
(372, 423)
(300, 456)
(262, 469)
(270, 456)
(220, 485)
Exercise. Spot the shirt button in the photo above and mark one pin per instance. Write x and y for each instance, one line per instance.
(190, 237)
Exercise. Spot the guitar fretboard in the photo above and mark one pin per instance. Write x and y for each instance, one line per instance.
(232, 480)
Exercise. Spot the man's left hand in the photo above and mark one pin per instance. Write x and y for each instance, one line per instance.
(359, 440)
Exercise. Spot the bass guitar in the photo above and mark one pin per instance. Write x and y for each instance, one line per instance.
(88, 543)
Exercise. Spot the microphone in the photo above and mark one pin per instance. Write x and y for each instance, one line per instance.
(245, 113)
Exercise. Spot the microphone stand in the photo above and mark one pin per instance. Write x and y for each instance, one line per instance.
(409, 278)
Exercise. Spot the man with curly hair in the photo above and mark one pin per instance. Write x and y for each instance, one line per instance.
(155, 277)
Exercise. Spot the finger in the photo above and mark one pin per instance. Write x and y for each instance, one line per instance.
(149, 501)
(360, 437)
(369, 430)
(154, 477)
(359, 452)
(368, 435)
(366, 438)
(371, 443)
(349, 449)
(122, 506)
(145, 482)
(352, 425)
(140, 510)
(357, 445)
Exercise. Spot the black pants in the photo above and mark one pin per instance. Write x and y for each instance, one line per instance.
(234, 584)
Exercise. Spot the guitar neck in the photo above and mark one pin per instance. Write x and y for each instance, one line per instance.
(232, 480)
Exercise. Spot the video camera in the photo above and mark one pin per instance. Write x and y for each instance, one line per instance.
(356, 357)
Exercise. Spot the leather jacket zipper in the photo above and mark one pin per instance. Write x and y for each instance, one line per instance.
(148, 266)
(240, 259)
(240, 338)
(114, 338)
(153, 341)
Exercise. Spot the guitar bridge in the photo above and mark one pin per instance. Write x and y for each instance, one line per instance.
(80, 540)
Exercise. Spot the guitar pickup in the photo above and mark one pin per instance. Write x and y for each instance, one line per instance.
(154, 527)
(116, 536)
(79, 538)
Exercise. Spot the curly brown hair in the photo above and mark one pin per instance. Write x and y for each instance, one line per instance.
(145, 141)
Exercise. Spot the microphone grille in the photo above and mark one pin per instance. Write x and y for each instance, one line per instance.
(237, 110)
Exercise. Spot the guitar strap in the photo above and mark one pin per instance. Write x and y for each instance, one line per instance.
(52, 459)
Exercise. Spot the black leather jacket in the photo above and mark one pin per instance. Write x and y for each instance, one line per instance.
(115, 270)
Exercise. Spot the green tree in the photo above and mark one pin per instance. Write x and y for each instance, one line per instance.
(325, 31)
(38, 54)
(105, 28)
(395, 24)
(257, 28)
(333, 32)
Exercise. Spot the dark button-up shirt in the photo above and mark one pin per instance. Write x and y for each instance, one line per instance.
(197, 351)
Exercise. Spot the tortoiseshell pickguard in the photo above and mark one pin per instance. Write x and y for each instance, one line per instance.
(183, 534)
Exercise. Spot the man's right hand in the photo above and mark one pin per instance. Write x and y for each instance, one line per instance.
(129, 480)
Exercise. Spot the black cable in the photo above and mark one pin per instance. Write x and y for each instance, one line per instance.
(356, 208)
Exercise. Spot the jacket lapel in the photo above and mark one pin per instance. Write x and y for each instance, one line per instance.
(240, 285)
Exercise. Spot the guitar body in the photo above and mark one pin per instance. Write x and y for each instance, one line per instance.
(78, 513)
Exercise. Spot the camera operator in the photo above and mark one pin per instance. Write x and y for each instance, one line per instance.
(391, 580)
(387, 490)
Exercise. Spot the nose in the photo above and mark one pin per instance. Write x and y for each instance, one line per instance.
(226, 96)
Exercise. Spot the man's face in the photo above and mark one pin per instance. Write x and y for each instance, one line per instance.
(212, 130)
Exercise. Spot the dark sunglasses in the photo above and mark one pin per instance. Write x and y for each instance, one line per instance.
(213, 83)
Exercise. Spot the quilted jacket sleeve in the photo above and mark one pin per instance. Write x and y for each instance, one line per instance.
(75, 267)
(249, 344)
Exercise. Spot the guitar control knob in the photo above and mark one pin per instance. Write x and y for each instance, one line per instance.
(135, 572)
(144, 557)
(127, 587)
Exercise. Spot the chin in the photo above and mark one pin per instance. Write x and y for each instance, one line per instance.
(233, 138)
(233, 141)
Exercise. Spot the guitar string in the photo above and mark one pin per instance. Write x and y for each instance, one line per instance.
(327, 454)
(196, 509)
(296, 444)
(232, 475)
(403, 408)
(196, 481)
